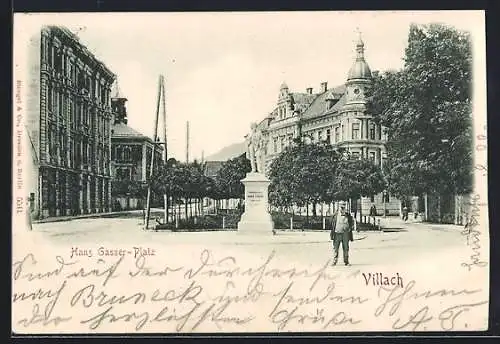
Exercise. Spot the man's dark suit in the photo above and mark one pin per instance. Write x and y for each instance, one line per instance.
(342, 238)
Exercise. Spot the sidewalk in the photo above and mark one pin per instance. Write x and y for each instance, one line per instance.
(97, 216)
(395, 223)
(88, 216)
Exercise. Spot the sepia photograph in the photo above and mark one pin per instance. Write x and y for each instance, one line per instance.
(249, 172)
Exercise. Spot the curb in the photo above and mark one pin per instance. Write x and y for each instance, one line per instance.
(81, 217)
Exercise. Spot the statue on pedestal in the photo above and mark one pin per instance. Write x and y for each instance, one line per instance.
(256, 218)
(255, 150)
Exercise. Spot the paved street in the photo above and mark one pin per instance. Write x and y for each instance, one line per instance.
(401, 241)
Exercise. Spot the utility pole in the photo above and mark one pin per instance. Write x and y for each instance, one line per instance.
(36, 165)
(156, 142)
(187, 142)
(165, 153)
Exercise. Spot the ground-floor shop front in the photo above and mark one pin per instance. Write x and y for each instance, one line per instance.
(62, 192)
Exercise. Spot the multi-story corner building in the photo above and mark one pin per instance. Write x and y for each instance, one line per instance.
(69, 126)
(336, 115)
(131, 154)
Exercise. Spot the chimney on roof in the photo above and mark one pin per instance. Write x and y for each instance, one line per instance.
(309, 90)
(324, 87)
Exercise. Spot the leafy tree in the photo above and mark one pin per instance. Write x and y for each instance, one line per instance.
(302, 174)
(426, 108)
(228, 179)
(356, 178)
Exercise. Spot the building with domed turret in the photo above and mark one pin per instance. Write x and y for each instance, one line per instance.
(337, 115)
(131, 153)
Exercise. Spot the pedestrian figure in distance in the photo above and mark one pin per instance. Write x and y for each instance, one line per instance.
(342, 227)
(373, 213)
(405, 214)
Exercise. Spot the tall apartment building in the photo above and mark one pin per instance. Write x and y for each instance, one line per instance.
(69, 122)
(336, 115)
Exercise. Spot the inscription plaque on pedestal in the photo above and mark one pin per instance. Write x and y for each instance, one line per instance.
(256, 218)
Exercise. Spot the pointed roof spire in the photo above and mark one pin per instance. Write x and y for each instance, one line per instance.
(360, 69)
(360, 45)
(360, 40)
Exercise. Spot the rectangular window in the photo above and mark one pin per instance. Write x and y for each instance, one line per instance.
(328, 136)
(337, 135)
(372, 157)
(320, 136)
(355, 131)
(355, 155)
(52, 58)
(55, 102)
(61, 107)
(49, 139)
(71, 153)
(372, 132)
(85, 153)
(69, 69)
(275, 145)
(50, 102)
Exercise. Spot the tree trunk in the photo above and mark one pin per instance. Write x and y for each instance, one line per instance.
(165, 208)
(185, 208)
(360, 210)
(307, 213)
(439, 208)
(179, 208)
(315, 215)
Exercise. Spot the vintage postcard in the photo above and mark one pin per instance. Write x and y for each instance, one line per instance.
(249, 172)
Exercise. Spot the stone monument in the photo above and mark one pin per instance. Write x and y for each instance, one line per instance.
(256, 218)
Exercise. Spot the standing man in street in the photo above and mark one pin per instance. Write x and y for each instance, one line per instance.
(342, 227)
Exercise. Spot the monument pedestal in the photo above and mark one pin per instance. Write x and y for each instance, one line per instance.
(256, 218)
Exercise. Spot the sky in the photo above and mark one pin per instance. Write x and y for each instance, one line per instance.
(223, 70)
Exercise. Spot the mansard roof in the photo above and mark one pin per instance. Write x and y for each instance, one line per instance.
(318, 106)
(303, 98)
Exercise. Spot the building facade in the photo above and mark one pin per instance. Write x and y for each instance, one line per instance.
(69, 126)
(336, 115)
(131, 154)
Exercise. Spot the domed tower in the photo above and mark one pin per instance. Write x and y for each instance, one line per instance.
(360, 133)
(358, 130)
(284, 102)
(359, 78)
